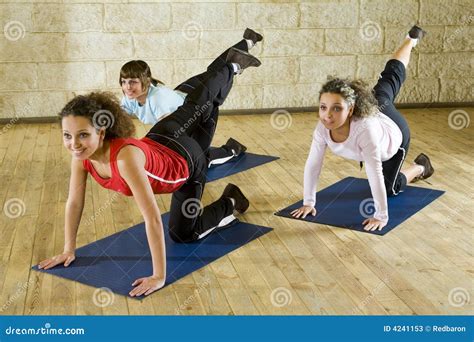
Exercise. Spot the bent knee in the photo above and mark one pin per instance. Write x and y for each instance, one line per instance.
(181, 235)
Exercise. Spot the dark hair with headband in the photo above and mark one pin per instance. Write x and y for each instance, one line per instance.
(354, 92)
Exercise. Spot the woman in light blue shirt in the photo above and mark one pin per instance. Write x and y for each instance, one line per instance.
(150, 100)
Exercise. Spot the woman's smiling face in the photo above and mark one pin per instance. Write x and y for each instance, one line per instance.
(132, 87)
(80, 138)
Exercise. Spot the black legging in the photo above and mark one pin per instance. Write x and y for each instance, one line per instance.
(189, 131)
(204, 134)
(386, 90)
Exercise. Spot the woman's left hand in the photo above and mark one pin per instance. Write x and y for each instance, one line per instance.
(372, 224)
(147, 285)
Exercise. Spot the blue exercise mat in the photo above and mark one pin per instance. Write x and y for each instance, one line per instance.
(117, 260)
(241, 163)
(348, 203)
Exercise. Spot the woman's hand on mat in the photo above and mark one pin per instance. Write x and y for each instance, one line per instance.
(66, 258)
(372, 224)
(147, 285)
(303, 211)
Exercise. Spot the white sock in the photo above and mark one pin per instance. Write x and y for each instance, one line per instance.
(413, 40)
(237, 68)
(250, 43)
(421, 167)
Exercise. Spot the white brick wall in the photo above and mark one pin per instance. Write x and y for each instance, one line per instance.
(51, 50)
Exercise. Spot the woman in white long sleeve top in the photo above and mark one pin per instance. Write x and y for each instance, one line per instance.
(363, 125)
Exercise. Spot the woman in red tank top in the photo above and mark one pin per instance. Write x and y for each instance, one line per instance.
(171, 158)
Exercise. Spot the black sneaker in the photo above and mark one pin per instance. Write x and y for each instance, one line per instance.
(241, 202)
(424, 161)
(416, 32)
(252, 35)
(242, 58)
(235, 146)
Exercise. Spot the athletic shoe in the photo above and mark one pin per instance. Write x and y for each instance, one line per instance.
(235, 146)
(242, 58)
(416, 32)
(241, 202)
(252, 35)
(424, 161)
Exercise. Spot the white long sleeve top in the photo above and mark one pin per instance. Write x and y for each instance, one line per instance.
(371, 140)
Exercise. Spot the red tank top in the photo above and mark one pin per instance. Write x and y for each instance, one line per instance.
(167, 170)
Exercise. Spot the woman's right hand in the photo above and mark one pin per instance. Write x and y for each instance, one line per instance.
(303, 211)
(66, 258)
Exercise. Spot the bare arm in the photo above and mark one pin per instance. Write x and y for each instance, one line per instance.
(74, 207)
(312, 171)
(131, 164)
(75, 204)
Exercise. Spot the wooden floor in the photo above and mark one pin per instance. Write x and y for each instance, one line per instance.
(298, 268)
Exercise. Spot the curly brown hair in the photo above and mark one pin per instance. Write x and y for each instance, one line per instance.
(103, 110)
(354, 92)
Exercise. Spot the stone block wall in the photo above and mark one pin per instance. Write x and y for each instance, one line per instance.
(53, 50)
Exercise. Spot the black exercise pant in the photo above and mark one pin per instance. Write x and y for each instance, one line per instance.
(187, 131)
(216, 155)
(386, 90)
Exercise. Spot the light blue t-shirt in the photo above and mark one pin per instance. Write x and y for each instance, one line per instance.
(160, 102)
